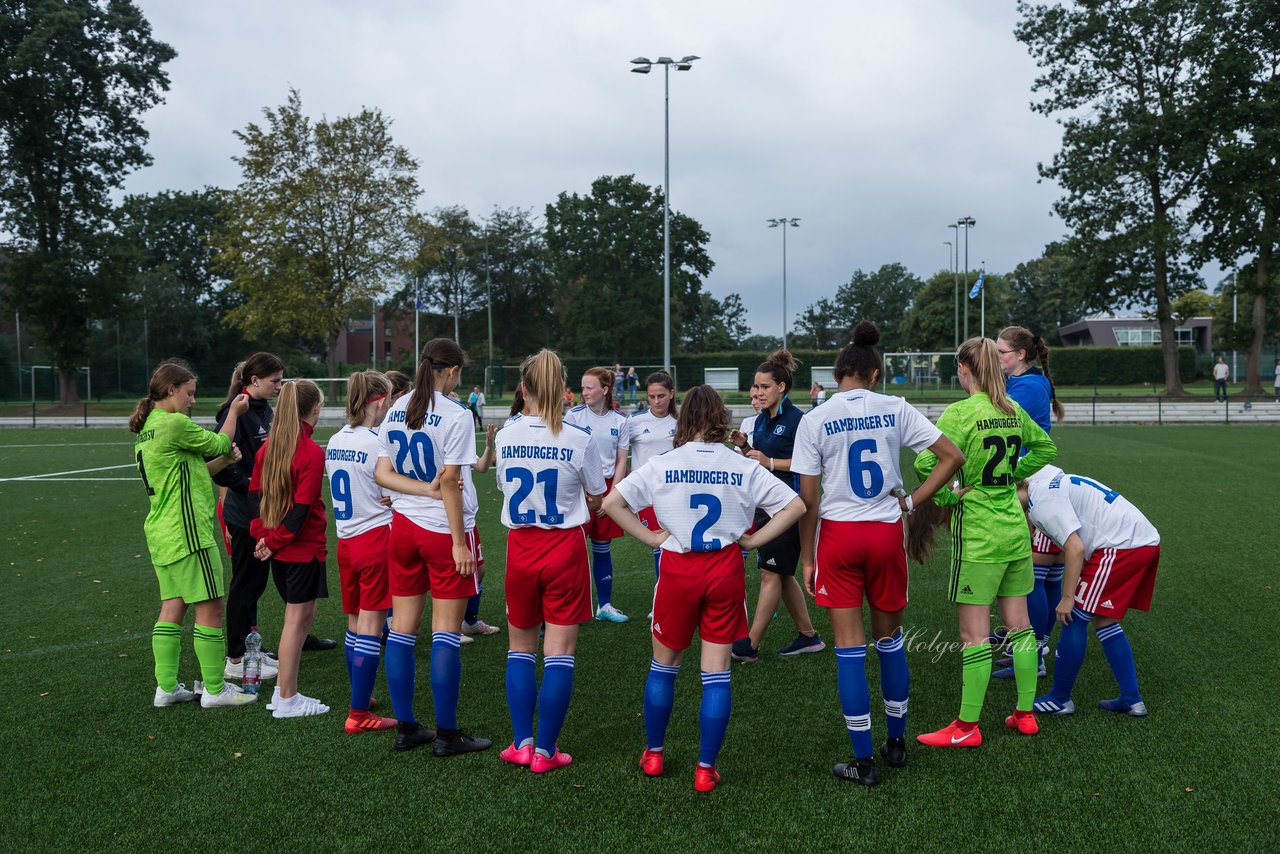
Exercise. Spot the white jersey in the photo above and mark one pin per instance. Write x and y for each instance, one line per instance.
(704, 494)
(749, 427)
(447, 437)
(1067, 504)
(349, 462)
(854, 441)
(543, 477)
(650, 436)
(609, 432)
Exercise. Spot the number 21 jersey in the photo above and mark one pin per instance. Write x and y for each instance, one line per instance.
(543, 476)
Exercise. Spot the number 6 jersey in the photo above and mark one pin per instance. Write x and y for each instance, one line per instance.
(349, 462)
(542, 476)
(447, 436)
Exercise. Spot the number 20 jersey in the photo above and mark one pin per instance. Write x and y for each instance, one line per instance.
(447, 436)
(854, 441)
(704, 494)
(349, 462)
(543, 476)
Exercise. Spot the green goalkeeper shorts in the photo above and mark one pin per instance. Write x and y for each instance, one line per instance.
(195, 578)
(974, 583)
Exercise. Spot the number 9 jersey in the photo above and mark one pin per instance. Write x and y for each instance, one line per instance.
(349, 462)
(543, 476)
(446, 437)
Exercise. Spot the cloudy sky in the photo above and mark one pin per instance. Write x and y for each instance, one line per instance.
(876, 123)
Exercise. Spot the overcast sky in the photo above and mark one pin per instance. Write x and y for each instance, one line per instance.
(876, 123)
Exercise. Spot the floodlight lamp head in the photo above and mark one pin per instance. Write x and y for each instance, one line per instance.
(641, 60)
(688, 59)
(641, 69)
(773, 223)
(665, 60)
(683, 66)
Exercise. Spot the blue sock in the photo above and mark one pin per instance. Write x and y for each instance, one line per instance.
(895, 683)
(855, 699)
(349, 650)
(553, 700)
(713, 716)
(1038, 605)
(446, 677)
(602, 571)
(1115, 645)
(1053, 593)
(473, 604)
(400, 672)
(657, 563)
(522, 695)
(365, 653)
(659, 698)
(1071, 645)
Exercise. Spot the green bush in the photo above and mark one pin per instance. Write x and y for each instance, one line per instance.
(1116, 365)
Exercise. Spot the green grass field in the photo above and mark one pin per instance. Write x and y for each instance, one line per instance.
(90, 765)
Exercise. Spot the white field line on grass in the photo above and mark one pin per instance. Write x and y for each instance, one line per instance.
(47, 479)
(65, 445)
(70, 647)
(59, 474)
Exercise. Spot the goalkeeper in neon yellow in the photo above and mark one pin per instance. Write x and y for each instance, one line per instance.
(990, 542)
(170, 451)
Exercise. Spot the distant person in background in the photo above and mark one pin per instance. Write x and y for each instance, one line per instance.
(1221, 373)
(473, 403)
(633, 385)
(1277, 381)
(813, 394)
(822, 395)
(619, 383)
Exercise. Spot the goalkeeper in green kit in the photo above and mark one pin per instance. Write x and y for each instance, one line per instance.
(170, 451)
(990, 544)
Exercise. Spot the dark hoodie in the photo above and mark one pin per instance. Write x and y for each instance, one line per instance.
(251, 432)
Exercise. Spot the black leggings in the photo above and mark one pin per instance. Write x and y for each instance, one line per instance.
(248, 579)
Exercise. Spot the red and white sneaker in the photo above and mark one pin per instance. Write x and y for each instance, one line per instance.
(517, 755)
(361, 721)
(1023, 722)
(955, 734)
(542, 764)
(705, 779)
(651, 762)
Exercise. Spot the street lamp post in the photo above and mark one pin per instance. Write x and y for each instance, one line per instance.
(644, 66)
(785, 223)
(966, 223)
(955, 275)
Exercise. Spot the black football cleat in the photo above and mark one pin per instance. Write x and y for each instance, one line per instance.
(894, 752)
(315, 644)
(411, 735)
(860, 771)
(454, 742)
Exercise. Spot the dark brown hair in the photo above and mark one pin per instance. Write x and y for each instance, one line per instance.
(780, 365)
(256, 365)
(517, 401)
(1021, 338)
(400, 382)
(860, 358)
(703, 417)
(167, 374)
(922, 526)
(664, 379)
(364, 388)
(438, 356)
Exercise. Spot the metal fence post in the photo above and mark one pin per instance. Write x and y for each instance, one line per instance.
(1160, 410)
(1093, 419)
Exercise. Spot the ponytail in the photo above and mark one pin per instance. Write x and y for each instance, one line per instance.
(922, 526)
(780, 365)
(980, 356)
(1021, 338)
(860, 358)
(438, 356)
(542, 377)
(364, 388)
(1043, 350)
(296, 398)
(167, 374)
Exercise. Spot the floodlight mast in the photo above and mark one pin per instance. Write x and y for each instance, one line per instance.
(785, 223)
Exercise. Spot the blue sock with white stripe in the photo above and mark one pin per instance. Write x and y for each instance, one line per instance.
(1038, 609)
(553, 700)
(1071, 646)
(659, 699)
(713, 715)
(1115, 645)
(855, 698)
(895, 683)
(349, 650)
(522, 695)
(400, 674)
(473, 605)
(446, 677)
(365, 653)
(602, 571)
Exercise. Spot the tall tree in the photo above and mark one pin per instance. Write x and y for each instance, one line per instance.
(75, 78)
(930, 324)
(606, 250)
(1129, 80)
(882, 297)
(318, 225)
(446, 257)
(1239, 211)
(716, 325)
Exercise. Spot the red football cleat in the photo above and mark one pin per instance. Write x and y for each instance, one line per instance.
(542, 764)
(1023, 722)
(705, 779)
(517, 755)
(361, 721)
(651, 763)
(954, 734)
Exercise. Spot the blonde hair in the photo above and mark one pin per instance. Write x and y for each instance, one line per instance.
(542, 376)
(297, 399)
(982, 359)
(364, 388)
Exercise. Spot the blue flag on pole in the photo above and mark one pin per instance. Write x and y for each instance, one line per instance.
(417, 297)
(977, 286)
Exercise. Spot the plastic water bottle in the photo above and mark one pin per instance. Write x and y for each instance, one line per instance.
(252, 661)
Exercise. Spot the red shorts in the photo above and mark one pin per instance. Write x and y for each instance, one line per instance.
(601, 528)
(1040, 542)
(548, 577)
(420, 560)
(362, 571)
(706, 591)
(1115, 580)
(861, 557)
(649, 518)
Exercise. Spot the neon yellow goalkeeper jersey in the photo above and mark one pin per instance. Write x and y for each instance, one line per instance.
(988, 525)
(170, 451)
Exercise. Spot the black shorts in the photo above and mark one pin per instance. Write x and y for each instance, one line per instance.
(782, 555)
(300, 583)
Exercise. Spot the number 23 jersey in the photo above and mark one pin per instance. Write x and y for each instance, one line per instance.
(446, 437)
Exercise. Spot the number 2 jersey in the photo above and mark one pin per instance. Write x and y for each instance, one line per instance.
(609, 431)
(704, 494)
(1067, 504)
(988, 525)
(543, 477)
(446, 437)
(854, 441)
(349, 463)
